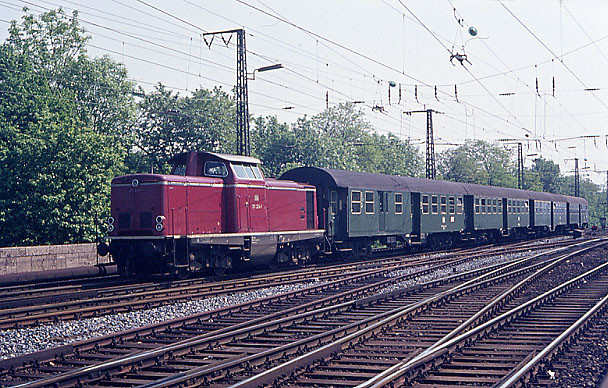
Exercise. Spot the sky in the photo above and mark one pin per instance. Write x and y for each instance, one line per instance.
(354, 50)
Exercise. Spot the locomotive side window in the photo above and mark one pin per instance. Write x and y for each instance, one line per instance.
(215, 169)
(355, 201)
(434, 208)
(459, 205)
(369, 202)
(452, 207)
(398, 203)
(425, 204)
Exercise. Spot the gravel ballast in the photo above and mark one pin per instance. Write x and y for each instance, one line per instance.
(16, 342)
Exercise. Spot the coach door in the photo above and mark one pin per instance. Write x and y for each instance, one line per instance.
(415, 214)
(382, 208)
(469, 213)
(332, 211)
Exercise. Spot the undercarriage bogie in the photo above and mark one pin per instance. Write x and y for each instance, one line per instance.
(183, 256)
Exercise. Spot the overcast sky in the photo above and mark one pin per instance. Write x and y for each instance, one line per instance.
(353, 49)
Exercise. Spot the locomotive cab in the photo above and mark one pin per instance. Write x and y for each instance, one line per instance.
(213, 212)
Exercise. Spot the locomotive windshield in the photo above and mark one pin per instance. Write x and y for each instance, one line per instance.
(247, 171)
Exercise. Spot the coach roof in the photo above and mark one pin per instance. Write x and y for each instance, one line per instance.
(364, 180)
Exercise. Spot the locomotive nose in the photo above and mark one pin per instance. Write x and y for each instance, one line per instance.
(137, 204)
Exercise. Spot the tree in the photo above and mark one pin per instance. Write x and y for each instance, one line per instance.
(64, 120)
(339, 138)
(478, 162)
(169, 124)
(549, 175)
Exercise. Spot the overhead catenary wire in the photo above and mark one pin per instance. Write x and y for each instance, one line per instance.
(392, 111)
(560, 60)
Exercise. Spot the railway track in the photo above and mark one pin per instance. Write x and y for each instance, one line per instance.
(32, 307)
(504, 351)
(404, 333)
(245, 339)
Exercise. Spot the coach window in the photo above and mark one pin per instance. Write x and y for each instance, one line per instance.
(369, 202)
(355, 202)
(459, 205)
(451, 207)
(434, 206)
(476, 205)
(483, 206)
(494, 209)
(398, 203)
(425, 204)
(333, 202)
(215, 169)
(444, 205)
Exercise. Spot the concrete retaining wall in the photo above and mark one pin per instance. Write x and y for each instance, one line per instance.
(47, 258)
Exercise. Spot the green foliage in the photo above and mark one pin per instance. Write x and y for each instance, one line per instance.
(549, 175)
(69, 123)
(169, 124)
(478, 162)
(336, 138)
(64, 120)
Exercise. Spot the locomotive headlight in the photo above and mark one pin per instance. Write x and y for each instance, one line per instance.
(110, 220)
(159, 227)
(160, 219)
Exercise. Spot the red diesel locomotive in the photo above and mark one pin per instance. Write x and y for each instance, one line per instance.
(214, 212)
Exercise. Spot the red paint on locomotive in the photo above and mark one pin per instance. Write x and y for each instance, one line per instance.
(209, 196)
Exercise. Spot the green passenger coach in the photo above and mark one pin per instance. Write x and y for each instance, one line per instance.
(358, 209)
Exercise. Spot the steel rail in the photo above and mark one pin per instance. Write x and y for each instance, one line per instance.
(119, 299)
(479, 316)
(266, 377)
(159, 353)
(141, 333)
(524, 372)
(425, 361)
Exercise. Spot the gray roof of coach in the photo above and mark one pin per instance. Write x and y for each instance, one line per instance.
(362, 180)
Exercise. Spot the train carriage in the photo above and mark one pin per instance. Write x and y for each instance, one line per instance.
(357, 208)
(218, 211)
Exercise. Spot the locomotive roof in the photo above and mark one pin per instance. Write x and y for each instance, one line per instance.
(352, 179)
(226, 157)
